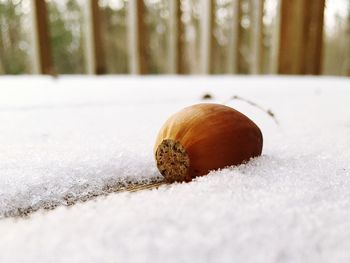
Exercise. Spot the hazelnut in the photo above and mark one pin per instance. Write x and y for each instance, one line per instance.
(205, 137)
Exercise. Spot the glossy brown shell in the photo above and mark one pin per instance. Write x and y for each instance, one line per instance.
(213, 135)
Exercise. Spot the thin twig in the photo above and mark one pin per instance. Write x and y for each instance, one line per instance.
(267, 111)
(139, 187)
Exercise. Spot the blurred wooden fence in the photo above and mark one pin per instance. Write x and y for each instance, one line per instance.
(298, 38)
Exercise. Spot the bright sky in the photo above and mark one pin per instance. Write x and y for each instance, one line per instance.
(334, 7)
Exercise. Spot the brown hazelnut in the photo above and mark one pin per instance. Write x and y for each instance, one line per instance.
(205, 137)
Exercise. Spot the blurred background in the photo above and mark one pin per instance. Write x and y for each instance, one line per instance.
(175, 37)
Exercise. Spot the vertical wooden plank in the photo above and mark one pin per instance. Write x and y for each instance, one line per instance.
(313, 35)
(233, 54)
(97, 63)
(257, 36)
(137, 37)
(275, 41)
(2, 71)
(173, 36)
(34, 39)
(176, 47)
(143, 36)
(95, 56)
(348, 45)
(206, 35)
(89, 41)
(212, 41)
(291, 36)
(180, 39)
(42, 58)
(134, 67)
(100, 60)
(301, 34)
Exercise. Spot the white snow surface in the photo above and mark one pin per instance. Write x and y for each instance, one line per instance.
(75, 135)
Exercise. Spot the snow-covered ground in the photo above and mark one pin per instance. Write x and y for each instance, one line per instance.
(73, 136)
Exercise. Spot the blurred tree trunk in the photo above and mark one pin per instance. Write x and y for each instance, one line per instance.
(96, 63)
(43, 47)
(234, 50)
(301, 37)
(348, 45)
(142, 38)
(292, 15)
(175, 38)
(212, 42)
(313, 35)
(180, 39)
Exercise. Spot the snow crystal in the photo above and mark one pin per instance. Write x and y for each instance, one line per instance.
(74, 136)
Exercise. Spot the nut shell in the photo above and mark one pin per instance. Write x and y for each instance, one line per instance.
(205, 137)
